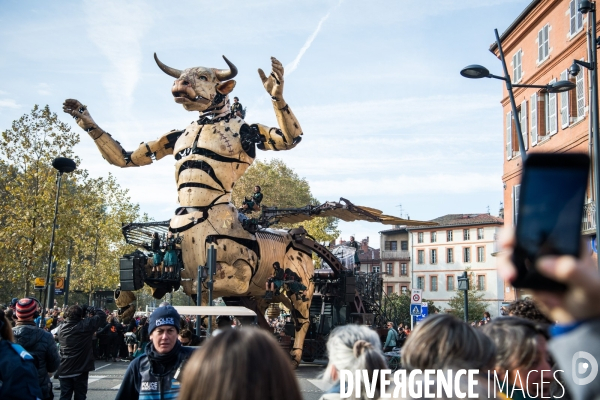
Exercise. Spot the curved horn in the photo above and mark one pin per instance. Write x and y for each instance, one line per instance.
(224, 74)
(175, 73)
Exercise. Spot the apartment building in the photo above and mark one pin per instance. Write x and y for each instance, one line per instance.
(540, 46)
(395, 260)
(439, 254)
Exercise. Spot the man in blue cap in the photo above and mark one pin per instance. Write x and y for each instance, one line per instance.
(156, 374)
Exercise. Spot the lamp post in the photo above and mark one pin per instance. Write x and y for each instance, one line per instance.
(463, 284)
(585, 7)
(62, 165)
(477, 72)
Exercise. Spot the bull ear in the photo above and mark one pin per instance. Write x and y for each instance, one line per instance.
(226, 87)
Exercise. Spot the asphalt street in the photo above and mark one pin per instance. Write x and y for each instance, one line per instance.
(106, 380)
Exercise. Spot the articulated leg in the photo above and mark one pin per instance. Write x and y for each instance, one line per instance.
(301, 315)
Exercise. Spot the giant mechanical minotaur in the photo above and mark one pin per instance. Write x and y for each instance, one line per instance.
(211, 154)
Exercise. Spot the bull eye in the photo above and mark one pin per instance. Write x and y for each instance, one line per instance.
(202, 77)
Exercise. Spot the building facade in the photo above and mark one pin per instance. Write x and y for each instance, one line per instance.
(539, 47)
(439, 254)
(395, 260)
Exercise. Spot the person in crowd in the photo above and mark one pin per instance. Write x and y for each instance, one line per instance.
(443, 341)
(76, 353)
(18, 373)
(354, 348)
(527, 309)
(156, 374)
(223, 324)
(576, 311)
(112, 330)
(391, 340)
(487, 318)
(521, 354)
(187, 338)
(142, 335)
(226, 367)
(131, 342)
(39, 343)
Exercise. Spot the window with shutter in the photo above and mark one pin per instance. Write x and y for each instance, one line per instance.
(551, 123)
(542, 100)
(576, 19)
(580, 91)
(509, 152)
(564, 103)
(523, 119)
(534, 119)
(517, 66)
(516, 192)
(543, 43)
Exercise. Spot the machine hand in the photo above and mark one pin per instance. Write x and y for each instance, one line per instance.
(78, 111)
(274, 83)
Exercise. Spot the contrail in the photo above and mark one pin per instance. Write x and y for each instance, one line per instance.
(291, 67)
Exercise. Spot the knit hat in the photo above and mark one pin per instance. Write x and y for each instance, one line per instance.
(13, 303)
(166, 315)
(26, 308)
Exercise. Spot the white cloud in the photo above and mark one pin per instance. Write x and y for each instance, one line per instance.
(117, 28)
(44, 89)
(9, 103)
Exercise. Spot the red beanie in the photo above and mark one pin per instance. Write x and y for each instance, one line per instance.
(26, 308)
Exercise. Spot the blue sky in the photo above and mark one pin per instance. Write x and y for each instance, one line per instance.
(387, 118)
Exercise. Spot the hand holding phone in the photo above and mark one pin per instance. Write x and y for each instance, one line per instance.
(549, 214)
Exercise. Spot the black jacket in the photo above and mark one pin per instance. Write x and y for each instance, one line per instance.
(75, 338)
(139, 378)
(41, 345)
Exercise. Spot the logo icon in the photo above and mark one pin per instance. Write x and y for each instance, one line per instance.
(584, 368)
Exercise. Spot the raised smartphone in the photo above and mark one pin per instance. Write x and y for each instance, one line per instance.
(550, 212)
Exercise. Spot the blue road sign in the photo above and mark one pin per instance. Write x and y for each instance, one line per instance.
(416, 309)
(424, 313)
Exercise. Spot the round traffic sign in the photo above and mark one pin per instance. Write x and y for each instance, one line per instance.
(416, 298)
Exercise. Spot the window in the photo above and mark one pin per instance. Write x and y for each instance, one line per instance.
(516, 62)
(376, 268)
(577, 100)
(515, 199)
(449, 282)
(403, 270)
(420, 237)
(404, 245)
(433, 237)
(420, 256)
(390, 290)
(480, 282)
(543, 43)
(420, 282)
(479, 233)
(389, 268)
(449, 256)
(551, 123)
(564, 103)
(434, 284)
(467, 254)
(509, 135)
(534, 118)
(391, 245)
(466, 234)
(403, 289)
(576, 18)
(448, 236)
(481, 254)
(523, 121)
(433, 256)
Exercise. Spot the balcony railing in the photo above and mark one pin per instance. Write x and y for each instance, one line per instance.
(395, 255)
(589, 218)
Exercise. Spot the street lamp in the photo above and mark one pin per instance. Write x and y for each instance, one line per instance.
(463, 284)
(477, 72)
(585, 7)
(62, 165)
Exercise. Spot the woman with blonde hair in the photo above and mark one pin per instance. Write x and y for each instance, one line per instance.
(240, 364)
(353, 348)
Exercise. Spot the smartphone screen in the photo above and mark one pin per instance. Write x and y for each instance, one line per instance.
(550, 213)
